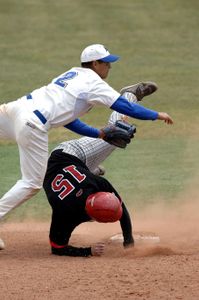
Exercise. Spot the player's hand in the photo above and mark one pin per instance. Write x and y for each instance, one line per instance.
(165, 117)
(119, 134)
(100, 171)
(98, 249)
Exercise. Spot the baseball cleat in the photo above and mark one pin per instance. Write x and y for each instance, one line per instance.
(141, 89)
(2, 245)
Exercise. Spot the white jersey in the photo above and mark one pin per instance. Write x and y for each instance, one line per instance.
(70, 96)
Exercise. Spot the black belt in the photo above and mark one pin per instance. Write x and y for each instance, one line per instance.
(37, 112)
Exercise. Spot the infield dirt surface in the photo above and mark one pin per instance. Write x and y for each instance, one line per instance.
(165, 270)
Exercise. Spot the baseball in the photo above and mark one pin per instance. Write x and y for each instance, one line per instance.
(2, 245)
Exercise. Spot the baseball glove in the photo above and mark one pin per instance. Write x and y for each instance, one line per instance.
(119, 134)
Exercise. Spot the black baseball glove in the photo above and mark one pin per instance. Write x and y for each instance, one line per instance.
(119, 134)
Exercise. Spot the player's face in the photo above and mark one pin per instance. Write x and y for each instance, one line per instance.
(101, 68)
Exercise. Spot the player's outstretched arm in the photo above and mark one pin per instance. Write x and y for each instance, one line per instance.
(69, 250)
(137, 111)
(95, 250)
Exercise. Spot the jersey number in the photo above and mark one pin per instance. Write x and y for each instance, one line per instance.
(62, 81)
(64, 186)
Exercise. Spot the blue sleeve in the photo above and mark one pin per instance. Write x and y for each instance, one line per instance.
(134, 110)
(83, 129)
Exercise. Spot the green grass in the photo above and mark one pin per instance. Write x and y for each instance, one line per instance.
(157, 40)
(150, 170)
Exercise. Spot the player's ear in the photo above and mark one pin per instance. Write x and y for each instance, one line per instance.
(94, 66)
(94, 63)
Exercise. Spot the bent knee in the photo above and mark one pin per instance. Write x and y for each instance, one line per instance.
(31, 191)
(32, 185)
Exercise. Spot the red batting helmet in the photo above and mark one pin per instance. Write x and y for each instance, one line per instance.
(104, 207)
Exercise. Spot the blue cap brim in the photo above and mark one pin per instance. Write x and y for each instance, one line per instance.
(110, 58)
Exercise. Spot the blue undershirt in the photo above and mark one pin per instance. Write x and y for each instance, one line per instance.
(133, 110)
(83, 129)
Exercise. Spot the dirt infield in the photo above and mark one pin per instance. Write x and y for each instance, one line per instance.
(167, 270)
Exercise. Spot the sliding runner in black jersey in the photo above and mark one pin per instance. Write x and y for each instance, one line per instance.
(68, 183)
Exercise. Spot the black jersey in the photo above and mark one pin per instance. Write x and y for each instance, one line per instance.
(68, 183)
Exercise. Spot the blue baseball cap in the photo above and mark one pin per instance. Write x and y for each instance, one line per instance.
(97, 52)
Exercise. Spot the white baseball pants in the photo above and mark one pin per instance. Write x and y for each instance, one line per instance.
(17, 123)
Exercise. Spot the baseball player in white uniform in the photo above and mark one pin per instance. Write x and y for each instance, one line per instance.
(60, 103)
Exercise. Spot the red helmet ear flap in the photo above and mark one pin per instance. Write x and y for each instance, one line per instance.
(104, 207)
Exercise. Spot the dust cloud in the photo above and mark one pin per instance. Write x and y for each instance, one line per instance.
(175, 223)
